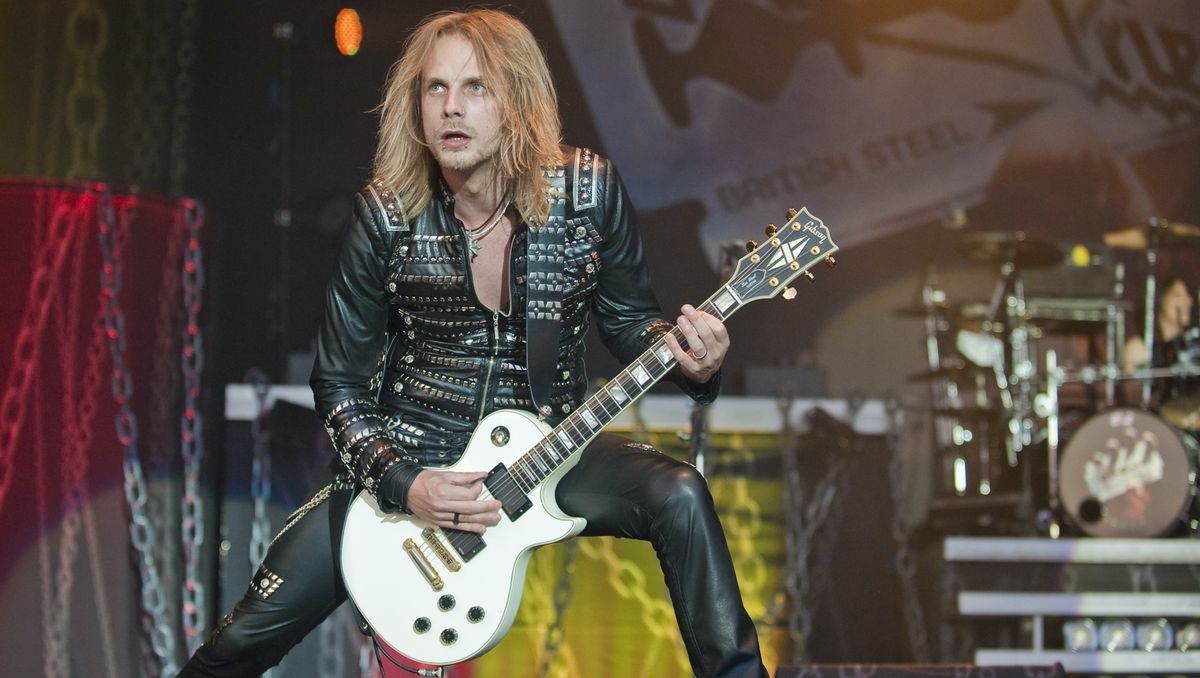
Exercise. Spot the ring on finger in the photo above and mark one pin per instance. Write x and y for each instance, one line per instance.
(699, 357)
(455, 518)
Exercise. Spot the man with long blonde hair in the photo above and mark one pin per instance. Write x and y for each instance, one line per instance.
(480, 253)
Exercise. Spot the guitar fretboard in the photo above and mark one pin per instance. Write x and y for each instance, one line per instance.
(585, 423)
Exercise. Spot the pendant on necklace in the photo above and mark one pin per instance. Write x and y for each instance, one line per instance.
(473, 246)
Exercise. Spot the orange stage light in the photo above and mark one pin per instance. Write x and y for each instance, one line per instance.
(347, 31)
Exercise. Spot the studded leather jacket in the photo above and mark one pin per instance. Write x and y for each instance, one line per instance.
(409, 360)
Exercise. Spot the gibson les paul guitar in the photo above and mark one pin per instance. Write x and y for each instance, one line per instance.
(442, 596)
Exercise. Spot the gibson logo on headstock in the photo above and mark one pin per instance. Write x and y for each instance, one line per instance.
(810, 227)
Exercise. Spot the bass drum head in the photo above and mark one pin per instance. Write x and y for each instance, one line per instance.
(1127, 473)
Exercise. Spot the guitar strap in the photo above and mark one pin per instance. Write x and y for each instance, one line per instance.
(544, 290)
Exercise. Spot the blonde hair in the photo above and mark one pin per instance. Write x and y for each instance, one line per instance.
(515, 68)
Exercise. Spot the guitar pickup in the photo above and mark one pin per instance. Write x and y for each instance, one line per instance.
(502, 486)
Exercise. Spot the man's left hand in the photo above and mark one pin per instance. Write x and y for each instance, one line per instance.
(708, 342)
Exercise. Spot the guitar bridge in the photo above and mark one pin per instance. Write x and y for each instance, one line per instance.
(423, 565)
(440, 550)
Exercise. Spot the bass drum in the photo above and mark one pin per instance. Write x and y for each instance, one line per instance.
(1127, 473)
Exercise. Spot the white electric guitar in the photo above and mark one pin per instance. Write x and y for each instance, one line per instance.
(441, 596)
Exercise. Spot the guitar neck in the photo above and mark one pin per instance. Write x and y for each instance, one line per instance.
(585, 423)
(763, 273)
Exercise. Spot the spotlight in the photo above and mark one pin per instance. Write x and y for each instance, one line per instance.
(1155, 635)
(1079, 635)
(1116, 635)
(347, 31)
(1188, 637)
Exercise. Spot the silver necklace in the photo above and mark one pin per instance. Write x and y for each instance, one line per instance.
(475, 235)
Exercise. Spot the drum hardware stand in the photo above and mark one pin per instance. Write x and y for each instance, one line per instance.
(1016, 368)
(1114, 336)
(1047, 405)
(1148, 319)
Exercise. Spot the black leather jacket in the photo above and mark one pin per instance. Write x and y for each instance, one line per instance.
(402, 299)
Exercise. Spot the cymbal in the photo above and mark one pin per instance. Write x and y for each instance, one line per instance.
(970, 413)
(966, 310)
(1014, 246)
(956, 369)
(1168, 234)
(1183, 411)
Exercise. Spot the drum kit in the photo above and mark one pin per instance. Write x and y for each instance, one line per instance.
(1085, 447)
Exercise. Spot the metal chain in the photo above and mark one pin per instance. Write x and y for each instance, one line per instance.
(54, 641)
(900, 469)
(742, 517)
(792, 502)
(73, 436)
(87, 38)
(48, 260)
(562, 601)
(112, 233)
(822, 508)
(181, 114)
(143, 127)
(629, 582)
(260, 473)
(192, 425)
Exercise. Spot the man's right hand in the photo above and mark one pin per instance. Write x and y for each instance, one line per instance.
(450, 499)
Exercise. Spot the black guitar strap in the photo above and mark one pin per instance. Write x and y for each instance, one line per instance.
(544, 290)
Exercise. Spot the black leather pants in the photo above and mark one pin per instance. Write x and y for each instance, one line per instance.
(622, 489)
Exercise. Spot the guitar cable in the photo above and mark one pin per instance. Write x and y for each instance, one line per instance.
(380, 654)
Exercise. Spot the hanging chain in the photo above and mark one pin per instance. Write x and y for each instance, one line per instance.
(181, 114)
(87, 38)
(54, 644)
(73, 436)
(143, 128)
(192, 426)
(112, 234)
(795, 574)
(900, 473)
(629, 582)
(48, 260)
(562, 601)
(260, 470)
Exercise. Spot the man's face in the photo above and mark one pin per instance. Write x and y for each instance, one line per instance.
(460, 114)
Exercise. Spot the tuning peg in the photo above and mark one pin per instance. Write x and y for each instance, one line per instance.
(789, 293)
(792, 212)
(751, 245)
(830, 262)
(772, 229)
(810, 276)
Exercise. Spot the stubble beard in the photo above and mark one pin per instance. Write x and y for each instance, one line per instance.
(465, 160)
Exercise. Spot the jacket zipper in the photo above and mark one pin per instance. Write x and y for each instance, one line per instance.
(487, 377)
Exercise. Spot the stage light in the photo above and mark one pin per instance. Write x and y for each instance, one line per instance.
(960, 476)
(1079, 635)
(1116, 635)
(348, 31)
(1155, 635)
(1188, 637)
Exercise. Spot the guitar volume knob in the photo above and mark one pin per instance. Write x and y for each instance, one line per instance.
(449, 636)
(422, 625)
(446, 603)
(475, 614)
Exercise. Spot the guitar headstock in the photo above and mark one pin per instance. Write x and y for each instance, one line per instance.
(788, 253)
